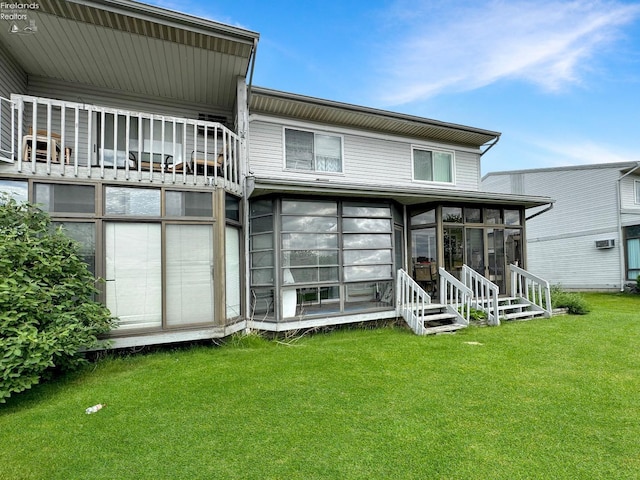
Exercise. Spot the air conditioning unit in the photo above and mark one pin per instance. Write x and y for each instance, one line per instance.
(605, 243)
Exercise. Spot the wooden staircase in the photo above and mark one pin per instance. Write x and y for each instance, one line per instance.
(517, 308)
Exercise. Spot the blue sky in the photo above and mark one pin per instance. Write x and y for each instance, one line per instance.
(559, 79)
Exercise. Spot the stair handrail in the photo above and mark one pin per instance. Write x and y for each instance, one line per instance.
(410, 299)
(455, 295)
(485, 293)
(532, 288)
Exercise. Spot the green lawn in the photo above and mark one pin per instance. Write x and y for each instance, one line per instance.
(557, 399)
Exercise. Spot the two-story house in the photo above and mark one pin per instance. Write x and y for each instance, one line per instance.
(209, 205)
(590, 240)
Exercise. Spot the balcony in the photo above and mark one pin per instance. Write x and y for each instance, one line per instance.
(42, 136)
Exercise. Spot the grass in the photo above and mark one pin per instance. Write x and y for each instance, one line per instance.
(555, 399)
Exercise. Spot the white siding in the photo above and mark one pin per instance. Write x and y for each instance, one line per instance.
(575, 262)
(628, 193)
(14, 79)
(367, 160)
(561, 242)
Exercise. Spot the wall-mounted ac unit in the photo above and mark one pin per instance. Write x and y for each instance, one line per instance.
(605, 243)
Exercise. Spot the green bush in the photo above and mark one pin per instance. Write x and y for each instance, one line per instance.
(47, 311)
(572, 301)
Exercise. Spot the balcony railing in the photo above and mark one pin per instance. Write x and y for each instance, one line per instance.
(42, 135)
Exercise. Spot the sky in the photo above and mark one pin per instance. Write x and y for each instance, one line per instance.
(559, 79)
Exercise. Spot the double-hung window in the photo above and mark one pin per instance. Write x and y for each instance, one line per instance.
(636, 185)
(432, 165)
(315, 152)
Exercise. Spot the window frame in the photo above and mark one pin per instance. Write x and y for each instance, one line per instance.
(432, 150)
(636, 191)
(315, 133)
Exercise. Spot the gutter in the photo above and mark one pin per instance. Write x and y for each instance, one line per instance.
(540, 212)
(619, 215)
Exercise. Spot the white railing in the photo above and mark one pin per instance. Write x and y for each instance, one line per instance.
(485, 293)
(455, 295)
(91, 141)
(532, 288)
(411, 301)
(7, 129)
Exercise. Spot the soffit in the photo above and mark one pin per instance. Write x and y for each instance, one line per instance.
(132, 47)
(281, 104)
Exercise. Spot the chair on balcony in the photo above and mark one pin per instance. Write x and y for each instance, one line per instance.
(42, 141)
(205, 163)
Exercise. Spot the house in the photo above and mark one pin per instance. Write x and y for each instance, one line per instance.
(590, 240)
(209, 205)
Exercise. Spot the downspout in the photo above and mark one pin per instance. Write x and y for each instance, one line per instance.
(253, 65)
(619, 212)
(540, 212)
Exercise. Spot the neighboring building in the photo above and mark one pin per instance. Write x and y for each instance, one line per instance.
(209, 205)
(591, 237)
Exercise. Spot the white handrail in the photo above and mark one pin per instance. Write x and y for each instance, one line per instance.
(455, 295)
(532, 288)
(411, 301)
(139, 146)
(485, 293)
(7, 130)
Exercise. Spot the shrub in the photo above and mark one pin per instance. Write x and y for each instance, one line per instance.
(47, 311)
(572, 301)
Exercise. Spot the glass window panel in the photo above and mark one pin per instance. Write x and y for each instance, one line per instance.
(493, 216)
(312, 275)
(261, 224)
(233, 272)
(309, 208)
(367, 272)
(302, 258)
(188, 204)
(424, 218)
(423, 245)
(85, 234)
(232, 207)
(632, 231)
(61, 198)
(309, 224)
(262, 241)
(368, 295)
(452, 214)
(262, 259)
(261, 207)
(422, 165)
(512, 217)
(188, 273)
(262, 303)
(299, 149)
(636, 185)
(133, 277)
(299, 241)
(366, 225)
(363, 240)
(16, 189)
(328, 153)
(473, 215)
(365, 211)
(367, 257)
(442, 167)
(132, 201)
(262, 276)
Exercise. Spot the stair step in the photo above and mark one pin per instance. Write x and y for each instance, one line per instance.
(437, 317)
(512, 306)
(444, 329)
(528, 313)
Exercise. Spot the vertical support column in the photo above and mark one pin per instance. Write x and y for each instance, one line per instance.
(219, 255)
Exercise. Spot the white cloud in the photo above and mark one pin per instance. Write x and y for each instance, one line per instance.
(469, 46)
(583, 153)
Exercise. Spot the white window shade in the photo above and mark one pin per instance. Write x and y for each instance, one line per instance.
(134, 274)
(189, 274)
(232, 236)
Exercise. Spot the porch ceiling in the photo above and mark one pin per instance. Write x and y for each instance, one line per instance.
(328, 112)
(405, 196)
(132, 47)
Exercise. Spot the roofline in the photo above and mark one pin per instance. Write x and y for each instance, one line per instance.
(320, 102)
(410, 195)
(591, 166)
(172, 17)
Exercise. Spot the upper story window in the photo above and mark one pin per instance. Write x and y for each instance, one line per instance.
(315, 152)
(636, 184)
(432, 165)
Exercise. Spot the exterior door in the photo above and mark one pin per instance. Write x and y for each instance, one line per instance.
(496, 260)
